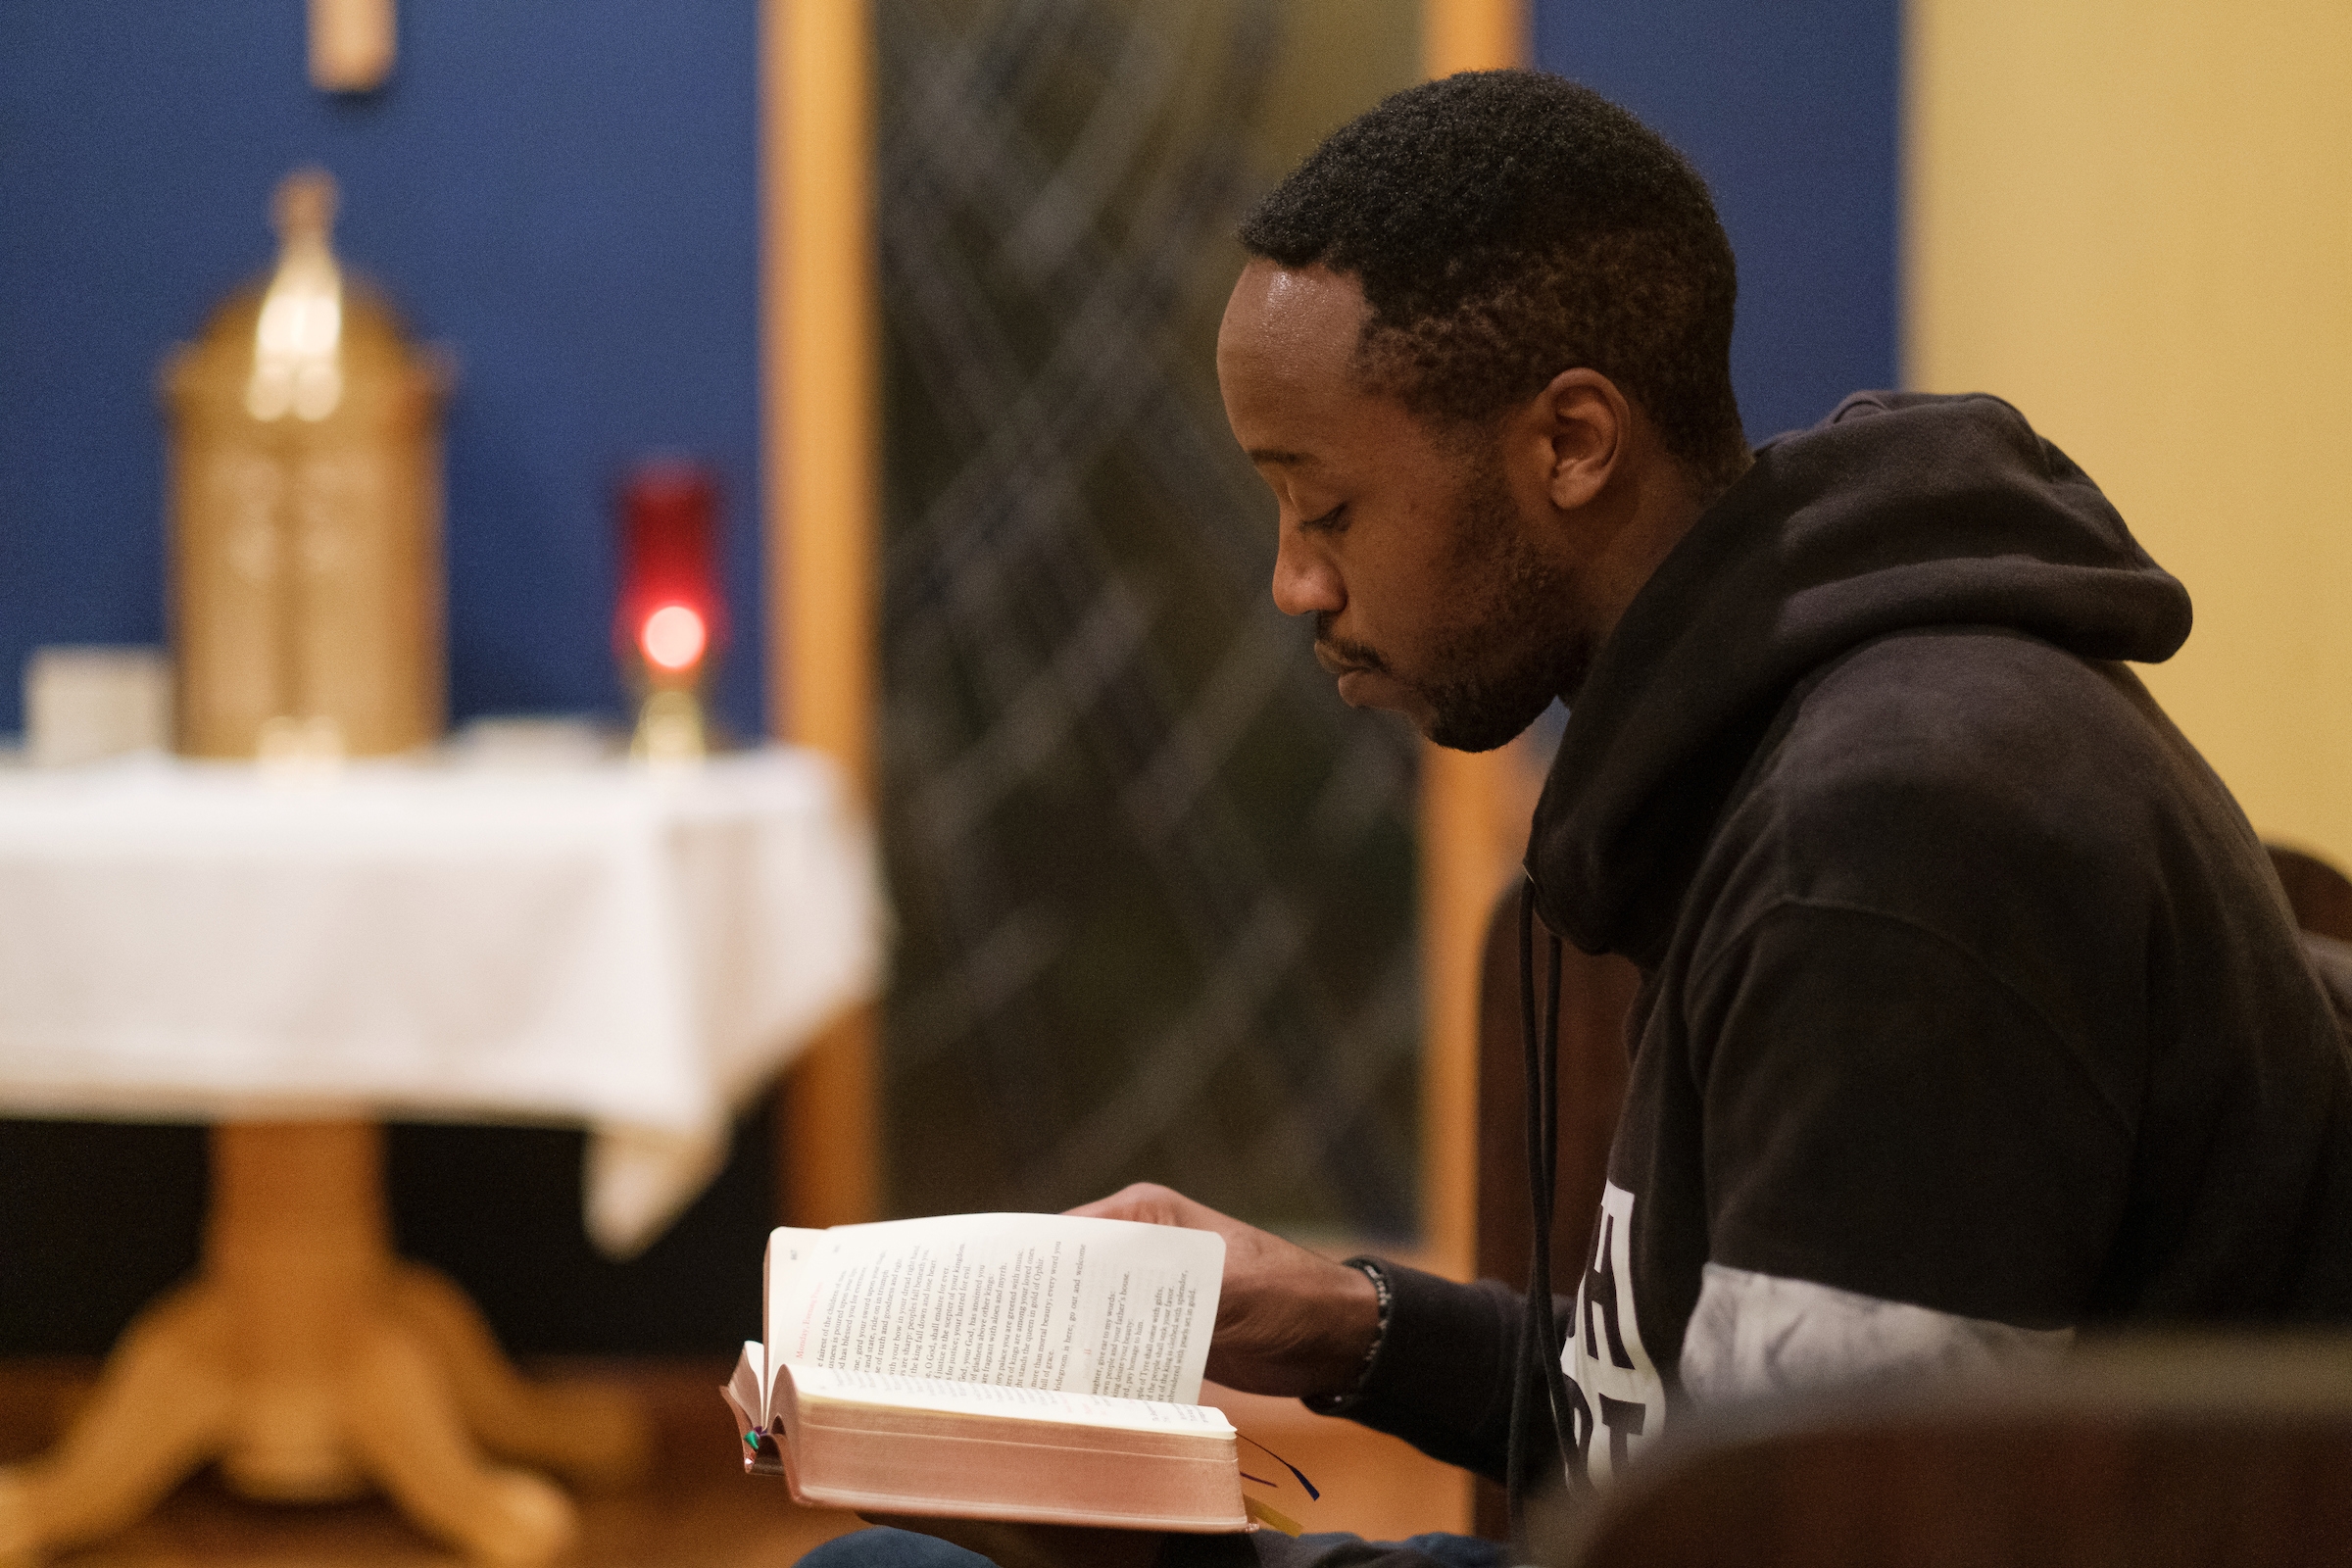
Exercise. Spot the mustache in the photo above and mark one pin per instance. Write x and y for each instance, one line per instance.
(1356, 654)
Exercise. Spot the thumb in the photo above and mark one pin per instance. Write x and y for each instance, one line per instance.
(1146, 1203)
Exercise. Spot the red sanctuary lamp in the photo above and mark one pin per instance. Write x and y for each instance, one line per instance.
(671, 621)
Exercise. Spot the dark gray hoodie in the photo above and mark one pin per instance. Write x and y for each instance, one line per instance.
(1967, 984)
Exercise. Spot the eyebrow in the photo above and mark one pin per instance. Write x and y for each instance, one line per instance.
(1278, 456)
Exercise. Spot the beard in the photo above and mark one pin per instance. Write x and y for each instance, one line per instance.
(1509, 652)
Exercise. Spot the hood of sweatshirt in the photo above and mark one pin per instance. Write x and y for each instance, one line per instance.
(1899, 511)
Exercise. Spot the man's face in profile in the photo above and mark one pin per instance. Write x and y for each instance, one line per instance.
(1405, 541)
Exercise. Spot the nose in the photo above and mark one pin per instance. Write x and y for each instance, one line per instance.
(1305, 582)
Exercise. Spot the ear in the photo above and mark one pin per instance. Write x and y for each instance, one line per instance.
(1586, 423)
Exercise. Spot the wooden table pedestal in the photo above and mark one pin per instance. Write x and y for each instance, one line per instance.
(312, 1366)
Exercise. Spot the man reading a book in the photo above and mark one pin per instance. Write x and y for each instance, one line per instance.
(1973, 1013)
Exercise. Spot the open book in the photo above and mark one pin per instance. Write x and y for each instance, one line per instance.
(1037, 1367)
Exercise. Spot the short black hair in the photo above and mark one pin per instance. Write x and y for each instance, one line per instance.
(1506, 226)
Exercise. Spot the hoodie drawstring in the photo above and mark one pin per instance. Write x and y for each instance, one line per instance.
(1542, 1331)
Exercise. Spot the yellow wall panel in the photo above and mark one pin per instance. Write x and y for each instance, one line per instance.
(2134, 220)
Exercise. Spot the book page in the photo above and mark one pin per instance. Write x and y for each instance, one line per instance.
(989, 1398)
(1096, 1306)
(746, 1391)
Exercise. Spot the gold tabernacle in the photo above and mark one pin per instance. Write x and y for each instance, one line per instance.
(305, 501)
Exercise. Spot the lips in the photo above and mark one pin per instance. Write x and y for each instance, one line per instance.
(1339, 663)
(1334, 664)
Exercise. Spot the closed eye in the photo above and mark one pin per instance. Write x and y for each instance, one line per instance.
(1328, 522)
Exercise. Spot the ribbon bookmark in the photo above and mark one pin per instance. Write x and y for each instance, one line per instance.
(1271, 1517)
(1313, 1495)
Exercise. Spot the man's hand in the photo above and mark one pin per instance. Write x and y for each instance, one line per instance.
(1288, 1322)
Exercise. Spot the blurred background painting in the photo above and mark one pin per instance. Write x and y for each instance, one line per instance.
(1157, 887)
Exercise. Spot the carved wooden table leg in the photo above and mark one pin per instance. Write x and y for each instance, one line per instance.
(312, 1366)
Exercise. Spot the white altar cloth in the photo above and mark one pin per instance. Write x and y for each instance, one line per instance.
(605, 945)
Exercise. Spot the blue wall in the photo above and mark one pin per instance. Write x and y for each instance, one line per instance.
(1789, 110)
(566, 195)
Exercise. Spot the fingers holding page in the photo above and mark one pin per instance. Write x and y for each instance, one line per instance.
(1289, 1321)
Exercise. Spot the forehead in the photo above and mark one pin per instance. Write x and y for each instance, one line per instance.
(1295, 314)
(1285, 359)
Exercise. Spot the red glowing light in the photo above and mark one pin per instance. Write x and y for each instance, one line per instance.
(674, 637)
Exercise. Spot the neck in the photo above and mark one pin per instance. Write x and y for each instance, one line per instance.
(1662, 506)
